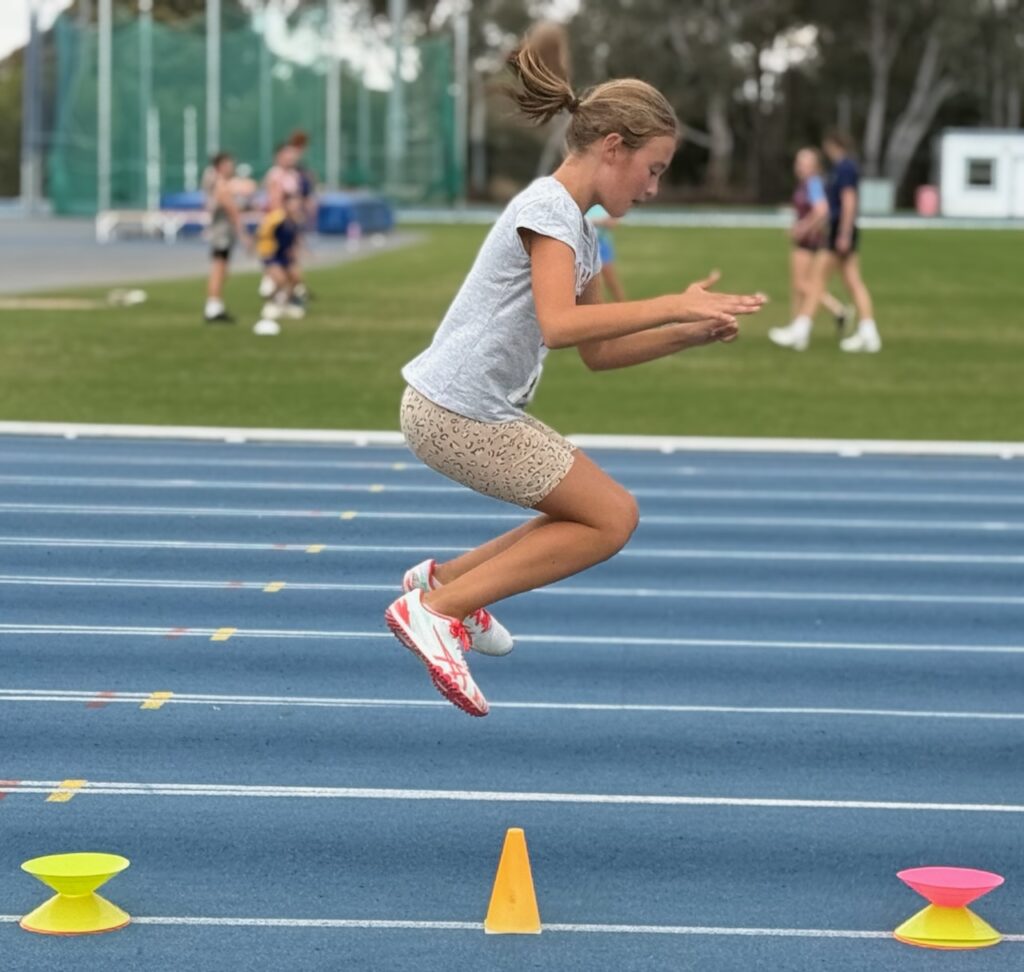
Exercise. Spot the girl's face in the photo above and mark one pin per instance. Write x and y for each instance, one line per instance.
(631, 176)
(834, 151)
(805, 165)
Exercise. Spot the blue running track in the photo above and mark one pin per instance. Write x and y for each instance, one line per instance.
(803, 674)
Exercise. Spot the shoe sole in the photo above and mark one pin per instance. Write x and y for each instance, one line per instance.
(443, 682)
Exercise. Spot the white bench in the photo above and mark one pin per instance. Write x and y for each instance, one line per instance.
(166, 224)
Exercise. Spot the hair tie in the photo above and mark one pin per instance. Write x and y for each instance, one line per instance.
(573, 106)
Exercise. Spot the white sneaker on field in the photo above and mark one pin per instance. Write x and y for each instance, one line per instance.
(796, 335)
(439, 642)
(488, 635)
(864, 340)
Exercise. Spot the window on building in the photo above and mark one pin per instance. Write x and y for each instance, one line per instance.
(981, 173)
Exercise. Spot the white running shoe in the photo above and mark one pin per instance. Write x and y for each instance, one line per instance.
(267, 286)
(488, 635)
(272, 310)
(794, 336)
(865, 340)
(439, 642)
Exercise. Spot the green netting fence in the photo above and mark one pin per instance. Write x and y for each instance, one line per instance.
(255, 114)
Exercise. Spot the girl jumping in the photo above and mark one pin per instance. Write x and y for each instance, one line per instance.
(535, 287)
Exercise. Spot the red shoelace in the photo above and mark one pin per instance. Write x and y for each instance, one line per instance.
(458, 630)
(483, 618)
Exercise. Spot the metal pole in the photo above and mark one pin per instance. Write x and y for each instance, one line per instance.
(31, 117)
(363, 134)
(145, 85)
(266, 92)
(191, 143)
(104, 89)
(332, 99)
(461, 29)
(212, 76)
(153, 174)
(396, 98)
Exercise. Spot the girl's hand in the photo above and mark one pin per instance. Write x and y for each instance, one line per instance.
(698, 303)
(708, 332)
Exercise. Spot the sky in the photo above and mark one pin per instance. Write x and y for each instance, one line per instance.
(14, 21)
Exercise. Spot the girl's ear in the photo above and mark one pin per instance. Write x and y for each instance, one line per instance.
(611, 146)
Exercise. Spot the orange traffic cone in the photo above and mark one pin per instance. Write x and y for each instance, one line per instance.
(513, 907)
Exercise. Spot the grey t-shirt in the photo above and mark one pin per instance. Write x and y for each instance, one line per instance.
(487, 355)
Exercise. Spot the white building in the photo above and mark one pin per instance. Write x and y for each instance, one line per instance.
(981, 172)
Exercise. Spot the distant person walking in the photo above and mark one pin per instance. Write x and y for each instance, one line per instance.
(840, 253)
(226, 229)
(281, 181)
(278, 240)
(809, 234)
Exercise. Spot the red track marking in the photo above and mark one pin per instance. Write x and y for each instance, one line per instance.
(101, 701)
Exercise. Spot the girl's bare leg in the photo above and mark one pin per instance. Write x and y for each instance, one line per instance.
(586, 519)
(850, 269)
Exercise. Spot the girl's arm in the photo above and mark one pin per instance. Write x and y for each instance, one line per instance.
(226, 200)
(634, 349)
(847, 214)
(565, 324)
(813, 221)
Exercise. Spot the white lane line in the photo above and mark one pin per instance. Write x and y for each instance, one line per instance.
(568, 590)
(653, 553)
(766, 495)
(427, 516)
(662, 443)
(133, 698)
(411, 465)
(390, 924)
(246, 791)
(281, 634)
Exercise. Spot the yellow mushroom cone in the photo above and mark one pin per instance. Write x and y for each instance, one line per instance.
(947, 928)
(513, 907)
(75, 909)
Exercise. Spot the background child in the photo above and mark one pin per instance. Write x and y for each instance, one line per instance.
(278, 239)
(808, 233)
(598, 215)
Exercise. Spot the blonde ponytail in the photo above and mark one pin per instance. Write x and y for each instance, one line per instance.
(628, 106)
(541, 65)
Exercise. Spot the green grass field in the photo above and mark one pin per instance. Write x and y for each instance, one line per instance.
(948, 305)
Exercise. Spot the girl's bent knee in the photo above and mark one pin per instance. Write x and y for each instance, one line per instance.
(620, 528)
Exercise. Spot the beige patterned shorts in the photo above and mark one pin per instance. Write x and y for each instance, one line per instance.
(519, 462)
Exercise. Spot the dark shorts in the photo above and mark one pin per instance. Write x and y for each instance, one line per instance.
(811, 246)
(282, 258)
(220, 253)
(833, 233)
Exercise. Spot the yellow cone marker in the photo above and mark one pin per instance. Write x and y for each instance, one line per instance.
(75, 909)
(947, 928)
(273, 587)
(314, 548)
(513, 907)
(222, 634)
